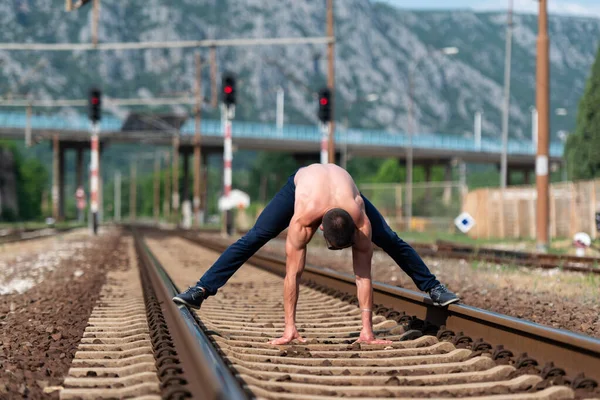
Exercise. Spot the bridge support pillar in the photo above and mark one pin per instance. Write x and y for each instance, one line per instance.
(527, 176)
(79, 167)
(204, 190)
(61, 182)
(79, 178)
(55, 177)
(447, 195)
(186, 177)
(427, 168)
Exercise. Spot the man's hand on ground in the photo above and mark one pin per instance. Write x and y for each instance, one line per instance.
(288, 336)
(369, 338)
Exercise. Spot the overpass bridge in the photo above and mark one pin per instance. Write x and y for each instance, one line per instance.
(302, 141)
(295, 139)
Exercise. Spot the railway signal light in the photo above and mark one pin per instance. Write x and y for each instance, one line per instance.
(228, 90)
(325, 101)
(95, 105)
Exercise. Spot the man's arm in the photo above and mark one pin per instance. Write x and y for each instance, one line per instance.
(362, 252)
(298, 237)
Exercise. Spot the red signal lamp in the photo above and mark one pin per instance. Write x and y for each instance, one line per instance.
(323, 101)
(228, 89)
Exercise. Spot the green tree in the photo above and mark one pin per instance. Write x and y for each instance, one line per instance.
(581, 150)
(31, 181)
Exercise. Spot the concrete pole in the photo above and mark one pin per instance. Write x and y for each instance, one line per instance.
(543, 108)
(279, 115)
(94, 177)
(409, 151)
(506, 105)
(204, 190)
(132, 191)
(117, 204)
(227, 173)
(213, 77)
(55, 175)
(477, 130)
(61, 183)
(331, 80)
(175, 172)
(197, 141)
(28, 126)
(186, 177)
(79, 178)
(95, 17)
(167, 189)
(156, 204)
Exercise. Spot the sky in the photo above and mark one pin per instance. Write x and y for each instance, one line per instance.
(590, 8)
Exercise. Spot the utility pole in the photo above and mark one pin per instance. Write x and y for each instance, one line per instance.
(167, 190)
(227, 113)
(95, 108)
(175, 171)
(197, 140)
(409, 151)
(477, 130)
(132, 190)
(117, 204)
(28, 126)
(279, 114)
(95, 17)
(55, 176)
(213, 77)
(506, 105)
(156, 205)
(543, 108)
(331, 79)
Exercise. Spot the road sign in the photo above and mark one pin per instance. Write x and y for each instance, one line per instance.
(464, 222)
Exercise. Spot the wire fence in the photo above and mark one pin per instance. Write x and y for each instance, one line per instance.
(434, 205)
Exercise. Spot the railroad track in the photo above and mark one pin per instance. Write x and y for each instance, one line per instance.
(12, 236)
(221, 351)
(446, 249)
(547, 261)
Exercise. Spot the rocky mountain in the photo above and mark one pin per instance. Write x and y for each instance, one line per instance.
(376, 44)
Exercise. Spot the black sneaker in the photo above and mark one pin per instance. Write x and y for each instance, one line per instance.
(192, 297)
(441, 296)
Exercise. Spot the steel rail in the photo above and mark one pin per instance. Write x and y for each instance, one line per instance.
(26, 235)
(546, 261)
(206, 374)
(571, 351)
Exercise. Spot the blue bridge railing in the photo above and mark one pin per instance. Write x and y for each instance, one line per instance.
(265, 131)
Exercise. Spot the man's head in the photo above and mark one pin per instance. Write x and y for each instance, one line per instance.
(338, 229)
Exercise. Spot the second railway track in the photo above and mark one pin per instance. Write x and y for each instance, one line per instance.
(426, 359)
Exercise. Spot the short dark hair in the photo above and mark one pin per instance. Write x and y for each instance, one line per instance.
(338, 228)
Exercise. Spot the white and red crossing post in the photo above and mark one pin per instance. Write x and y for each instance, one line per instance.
(228, 113)
(94, 176)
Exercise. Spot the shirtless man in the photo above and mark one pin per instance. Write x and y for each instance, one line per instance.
(322, 196)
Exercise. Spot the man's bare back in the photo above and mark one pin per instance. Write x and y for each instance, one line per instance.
(321, 187)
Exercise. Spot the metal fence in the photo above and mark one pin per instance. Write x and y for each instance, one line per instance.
(434, 205)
